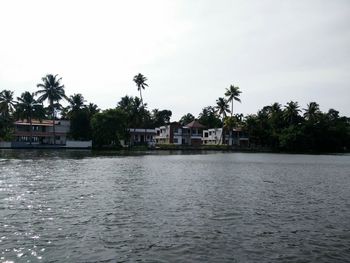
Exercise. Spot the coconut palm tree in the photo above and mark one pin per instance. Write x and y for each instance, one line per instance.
(291, 112)
(76, 102)
(53, 91)
(28, 108)
(229, 124)
(233, 93)
(222, 108)
(140, 81)
(7, 103)
(312, 111)
(92, 108)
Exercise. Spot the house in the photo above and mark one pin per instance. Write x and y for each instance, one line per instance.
(41, 133)
(232, 137)
(175, 133)
(169, 134)
(212, 136)
(238, 137)
(140, 136)
(195, 132)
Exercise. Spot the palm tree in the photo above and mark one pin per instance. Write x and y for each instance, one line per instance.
(92, 108)
(140, 81)
(53, 91)
(76, 102)
(232, 93)
(28, 107)
(332, 114)
(222, 108)
(312, 111)
(7, 104)
(291, 112)
(229, 124)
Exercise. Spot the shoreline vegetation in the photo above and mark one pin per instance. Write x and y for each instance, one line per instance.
(274, 128)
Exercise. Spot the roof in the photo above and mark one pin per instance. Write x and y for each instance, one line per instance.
(194, 124)
(36, 122)
(141, 130)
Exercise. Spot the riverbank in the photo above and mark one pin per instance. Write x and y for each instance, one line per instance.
(170, 147)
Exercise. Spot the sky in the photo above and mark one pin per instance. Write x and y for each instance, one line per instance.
(190, 51)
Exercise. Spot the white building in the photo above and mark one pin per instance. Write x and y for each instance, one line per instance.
(233, 137)
(175, 133)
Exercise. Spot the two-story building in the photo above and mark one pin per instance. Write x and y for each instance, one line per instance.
(232, 137)
(195, 132)
(175, 133)
(41, 132)
(169, 134)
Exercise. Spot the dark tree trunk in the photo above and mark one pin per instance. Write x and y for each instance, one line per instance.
(31, 128)
(53, 123)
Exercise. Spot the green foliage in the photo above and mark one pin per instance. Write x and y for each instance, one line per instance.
(160, 117)
(80, 125)
(137, 115)
(6, 129)
(51, 89)
(288, 131)
(209, 118)
(187, 118)
(233, 93)
(222, 107)
(109, 127)
(7, 103)
(140, 81)
(29, 108)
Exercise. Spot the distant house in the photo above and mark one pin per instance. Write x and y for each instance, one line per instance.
(175, 133)
(42, 132)
(195, 132)
(40, 135)
(212, 136)
(140, 136)
(233, 137)
(169, 134)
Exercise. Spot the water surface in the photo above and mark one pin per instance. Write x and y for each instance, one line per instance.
(76, 206)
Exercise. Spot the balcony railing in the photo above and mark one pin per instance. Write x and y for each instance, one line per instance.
(38, 133)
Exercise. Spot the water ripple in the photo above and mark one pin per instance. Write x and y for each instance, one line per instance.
(67, 207)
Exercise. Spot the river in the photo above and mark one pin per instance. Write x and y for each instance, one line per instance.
(79, 206)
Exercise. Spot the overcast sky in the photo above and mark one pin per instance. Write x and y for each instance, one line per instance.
(190, 51)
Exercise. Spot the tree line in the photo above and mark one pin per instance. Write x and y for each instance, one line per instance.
(277, 127)
(87, 121)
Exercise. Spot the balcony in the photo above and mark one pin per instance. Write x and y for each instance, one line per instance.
(38, 133)
(196, 136)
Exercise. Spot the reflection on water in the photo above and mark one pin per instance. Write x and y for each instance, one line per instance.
(82, 206)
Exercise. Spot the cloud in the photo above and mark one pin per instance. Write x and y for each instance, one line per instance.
(189, 50)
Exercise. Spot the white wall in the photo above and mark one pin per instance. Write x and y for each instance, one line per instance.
(5, 144)
(79, 144)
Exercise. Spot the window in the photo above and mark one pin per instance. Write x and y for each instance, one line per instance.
(176, 140)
